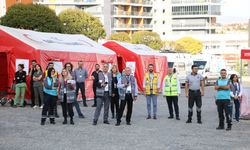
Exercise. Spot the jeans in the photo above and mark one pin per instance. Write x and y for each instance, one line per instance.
(20, 90)
(151, 98)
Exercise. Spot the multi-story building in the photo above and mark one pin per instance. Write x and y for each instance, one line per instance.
(195, 16)
(186, 17)
(5, 4)
(116, 15)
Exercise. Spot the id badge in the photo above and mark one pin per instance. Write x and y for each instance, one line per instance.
(64, 90)
(115, 85)
(100, 81)
(80, 76)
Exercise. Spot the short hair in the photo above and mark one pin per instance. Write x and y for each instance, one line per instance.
(193, 66)
(80, 61)
(21, 65)
(97, 65)
(223, 70)
(33, 60)
(150, 65)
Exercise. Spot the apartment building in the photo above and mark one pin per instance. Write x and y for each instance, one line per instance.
(116, 15)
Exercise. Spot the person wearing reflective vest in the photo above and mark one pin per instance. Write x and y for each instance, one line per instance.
(151, 86)
(171, 90)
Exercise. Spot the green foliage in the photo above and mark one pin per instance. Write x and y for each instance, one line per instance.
(78, 22)
(151, 39)
(188, 45)
(120, 36)
(32, 17)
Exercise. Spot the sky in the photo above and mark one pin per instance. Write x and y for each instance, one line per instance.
(234, 11)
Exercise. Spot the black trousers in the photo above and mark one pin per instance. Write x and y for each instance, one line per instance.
(81, 86)
(94, 90)
(222, 106)
(194, 97)
(173, 100)
(49, 105)
(67, 108)
(114, 105)
(129, 101)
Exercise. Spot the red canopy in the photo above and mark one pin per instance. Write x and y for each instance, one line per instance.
(18, 44)
(142, 56)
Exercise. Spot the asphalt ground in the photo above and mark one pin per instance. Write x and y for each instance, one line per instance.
(20, 129)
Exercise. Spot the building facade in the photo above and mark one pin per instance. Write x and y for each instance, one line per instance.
(116, 15)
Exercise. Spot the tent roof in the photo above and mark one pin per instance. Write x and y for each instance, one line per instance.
(57, 41)
(139, 49)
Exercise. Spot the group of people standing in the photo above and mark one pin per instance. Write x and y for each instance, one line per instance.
(117, 90)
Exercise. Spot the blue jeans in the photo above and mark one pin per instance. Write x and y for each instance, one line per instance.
(237, 109)
(150, 98)
(76, 104)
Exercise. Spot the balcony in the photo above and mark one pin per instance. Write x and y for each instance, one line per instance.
(195, 13)
(72, 2)
(132, 27)
(194, 1)
(135, 14)
(134, 2)
(193, 26)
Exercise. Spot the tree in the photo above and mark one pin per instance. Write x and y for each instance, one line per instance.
(120, 36)
(168, 45)
(188, 45)
(32, 17)
(78, 22)
(150, 39)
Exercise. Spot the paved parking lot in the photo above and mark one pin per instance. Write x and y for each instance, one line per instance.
(20, 129)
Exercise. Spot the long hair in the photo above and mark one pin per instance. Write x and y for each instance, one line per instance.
(68, 77)
(49, 72)
(232, 77)
(39, 66)
(116, 67)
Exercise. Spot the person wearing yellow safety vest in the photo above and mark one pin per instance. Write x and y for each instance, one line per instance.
(171, 90)
(151, 86)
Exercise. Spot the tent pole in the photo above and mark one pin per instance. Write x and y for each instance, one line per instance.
(241, 71)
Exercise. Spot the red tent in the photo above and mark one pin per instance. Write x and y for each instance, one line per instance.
(141, 55)
(18, 45)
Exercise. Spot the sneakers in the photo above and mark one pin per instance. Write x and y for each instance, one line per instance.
(220, 128)
(72, 122)
(178, 118)
(34, 107)
(81, 116)
(128, 123)
(149, 117)
(65, 121)
(170, 117)
(118, 124)
(199, 122)
(229, 127)
(106, 122)
(154, 117)
(41, 107)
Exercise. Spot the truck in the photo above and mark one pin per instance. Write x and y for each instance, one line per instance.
(209, 67)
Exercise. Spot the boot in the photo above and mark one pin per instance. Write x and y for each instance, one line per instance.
(229, 127)
(190, 114)
(43, 121)
(52, 120)
(65, 120)
(177, 117)
(199, 117)
(71, 121)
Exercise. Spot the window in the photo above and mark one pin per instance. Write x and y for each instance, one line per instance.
(163, 22)
(155, 10)
(155, 22)
(163, 33)
(163, 11)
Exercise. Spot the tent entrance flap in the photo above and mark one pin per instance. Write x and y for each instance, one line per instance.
(120, 63)
(3, 72)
